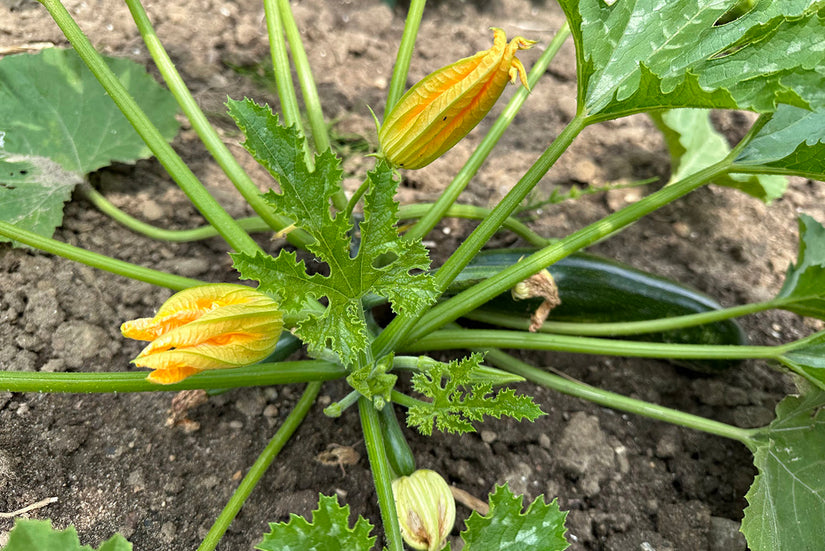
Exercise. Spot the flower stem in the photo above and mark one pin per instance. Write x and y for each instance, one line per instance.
(473, 164)
(236, 237)
(615, 329)
(97, 260)
(475, 338)
(264, 374)
(256, 472)
(371, 426)
(205, 131)
(404, 55)
(617, 401)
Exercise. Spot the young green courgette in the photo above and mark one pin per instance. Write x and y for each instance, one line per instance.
(596, 290)
(398, 450)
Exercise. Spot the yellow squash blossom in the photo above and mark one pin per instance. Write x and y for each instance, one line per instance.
(206, 327)
(425, 508)
(444, 106)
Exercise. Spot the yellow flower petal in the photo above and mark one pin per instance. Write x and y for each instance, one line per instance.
(444, 106)
(207, 327)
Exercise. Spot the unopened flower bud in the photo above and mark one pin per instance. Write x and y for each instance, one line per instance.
(426, 509)
(206, 327)
(445, 105)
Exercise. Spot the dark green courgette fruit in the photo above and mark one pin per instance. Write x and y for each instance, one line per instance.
(596, 290)
(398, 450)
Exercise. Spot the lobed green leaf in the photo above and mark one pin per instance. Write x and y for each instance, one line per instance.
(384, 264)
(38, 535)
(694, 144)
(56, 118)
(540, 528)
(454, 407)
(804, 289)
(787, 498)
(793, 140)
(640, 55)
(328, 531)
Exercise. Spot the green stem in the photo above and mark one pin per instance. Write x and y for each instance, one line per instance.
(615, 329)
(482, 292)
(477, 338)
(256, 472)
(404, 55)
(250, 224)
(205, 131)
(310, 93)
(280, 66)
(254, 224)
(256, 375)
(97, 260)
(402, 325)
(336, 409)
(362, 189)
(617, 401)
(371, 426)
(473, 164)
(407, 401)
(238, 239)
(473, 212)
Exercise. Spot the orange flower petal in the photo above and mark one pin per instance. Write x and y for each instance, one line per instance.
(445, 105)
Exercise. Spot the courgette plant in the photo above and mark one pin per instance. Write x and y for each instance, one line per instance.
(632, 56)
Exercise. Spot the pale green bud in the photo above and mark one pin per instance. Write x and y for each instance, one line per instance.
(426, 509)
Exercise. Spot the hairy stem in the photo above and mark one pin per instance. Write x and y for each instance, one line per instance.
(97, 260)
(475, 338)
(371, 426)
(615, 329)
(404, 55)
(264, 374)
(482, 292)
(617, 401)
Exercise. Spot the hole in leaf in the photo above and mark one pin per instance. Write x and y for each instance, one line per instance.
(737, 11)
(384, 260)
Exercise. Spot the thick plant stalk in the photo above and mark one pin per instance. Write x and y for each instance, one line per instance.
(380, 466)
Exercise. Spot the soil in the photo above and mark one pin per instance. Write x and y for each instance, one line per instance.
(629, 483)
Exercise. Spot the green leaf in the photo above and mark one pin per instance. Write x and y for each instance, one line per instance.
(384, 264)
(454, 407)
(373, 381)
(328, 531)
(32, 192)
(51, 107)
(694, 144)
(793, 140)
(807, 358)
(787, 498)
(804, 289)
(540, 528)
(38, 535)
(639, 55)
